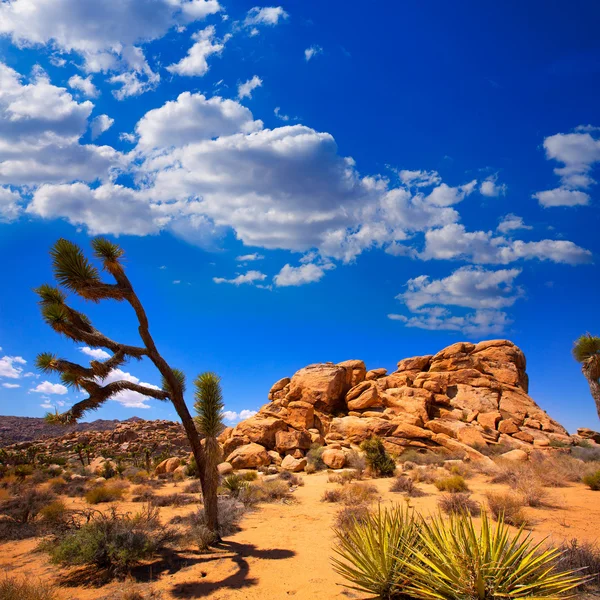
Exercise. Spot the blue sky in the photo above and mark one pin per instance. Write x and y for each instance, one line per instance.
(304, 182)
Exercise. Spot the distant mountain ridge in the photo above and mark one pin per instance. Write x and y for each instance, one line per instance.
(29, 429)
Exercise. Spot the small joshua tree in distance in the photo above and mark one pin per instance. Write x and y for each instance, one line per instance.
(75, 273)
(586, 352)
(209, 420)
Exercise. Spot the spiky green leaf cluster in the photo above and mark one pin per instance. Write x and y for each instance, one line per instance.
(586, 347)
(50, 295)
(397, 555)
(45, 362)
(108, 252)
(209, 404)
(179, 376)
(71, 268)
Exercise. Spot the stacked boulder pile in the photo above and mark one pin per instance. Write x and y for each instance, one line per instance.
(462, 399)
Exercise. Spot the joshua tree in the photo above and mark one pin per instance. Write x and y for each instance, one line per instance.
(209, 408)
(79, 448)
(77, 274)
(587, 352)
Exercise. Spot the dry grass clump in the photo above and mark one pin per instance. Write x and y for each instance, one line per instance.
(355, 494)
(334, 495)
(349, 516)
(581, 556)
(230, 513)
(12, 588)
(143, 493)
(175, 500)
(592, 481)
(507, 506)
(193, 487)
(138, 593)
(406, 486)
(458, 503)
(427, 474)
(420, 458)
(292, 479)
(453, 484)
(533, 493)
(104, 493)
(345, 476)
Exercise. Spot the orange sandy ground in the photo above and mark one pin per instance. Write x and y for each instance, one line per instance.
(284, 550)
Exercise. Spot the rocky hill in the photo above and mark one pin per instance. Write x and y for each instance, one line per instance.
(27, 429)
(464, 398)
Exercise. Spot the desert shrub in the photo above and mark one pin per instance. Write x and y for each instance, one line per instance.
(270, 491)
(586, 453)
(458, 503)
(193, 487)
(373, 551)
(356, 461)
(581, 556)
(230, 512)
(359, 493)
(22, 471)
(108, 471)
(172, 500)
(453, 484)
(136, 475)
(249, 475)
(492, 450)
(55, 515)
(310, 469)
(557, 470)
(12, 588)
(233, 484)
(457, 561)
(25, 507)
(406, 486)
(112, 541)
(592, 480)
(104, 493)
(380, 463)
(192, 468)
(343, 477)
(533, 493)
(349, 515)
(427, 474)
(507, 508)
(291, 478)
(421, 458)
(75, 488)
(143, 493)
(202, 536)
(332, 495)
(139, 593)
(313, 457)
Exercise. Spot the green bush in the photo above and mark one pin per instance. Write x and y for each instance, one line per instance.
(104, 493)
(313, 457)
(454, 484)
(379, 461)
(592, 481)
(112, 541)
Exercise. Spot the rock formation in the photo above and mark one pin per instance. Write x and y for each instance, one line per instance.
(467, 396)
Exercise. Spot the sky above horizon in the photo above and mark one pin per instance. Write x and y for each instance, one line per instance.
(303, 182)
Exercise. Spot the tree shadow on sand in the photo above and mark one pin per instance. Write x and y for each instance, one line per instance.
(240, 579)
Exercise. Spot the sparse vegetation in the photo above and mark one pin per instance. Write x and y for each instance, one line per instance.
(458, 503)
(453, 484)
(104, 493)
(334, 495)
(507, 508)
(348, 516)
(583, 557)
(592, 480)
(407, 486)
(380, 463)
(15, 588)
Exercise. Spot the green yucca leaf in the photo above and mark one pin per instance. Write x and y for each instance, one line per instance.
(180, 376)
(55, 315)
(586, 347)
(71, 268)
(108, 252)
(49, 294)
(71, 380)
(45, 362)
(209, 404)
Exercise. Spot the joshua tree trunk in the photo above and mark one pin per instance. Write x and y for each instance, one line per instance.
(591, 371)
(210, 485)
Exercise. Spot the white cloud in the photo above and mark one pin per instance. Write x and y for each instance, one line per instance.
(444, 195)
(11, 386)
(193, 118)
(306, 273)
(9, 366)
(245, 89)
(84, 85)
(250, 277)
(95, 353)
(510, 223)
(46, 387)
(267, 15)
(10, 205)
(490, 187)
(196, 63)
(47, 405)
(562, 197)
(280, 115)
(312, 51)
(106, 34)
(419, 178)
(481, 247)
(100, 124)
(177, 281)
(231, 416)
(128, 398)
(249, 257)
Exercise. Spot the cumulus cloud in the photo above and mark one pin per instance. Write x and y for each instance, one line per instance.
(9, 366)
(196, 62)
(246, 88)
(277, 112)
(419, 178)
(231, 416)
(307, 273)
(312, 51)
(250, 277)
(444, 195)
(128, 398)
(249, 257)
(10, 205)
(267, 15)
(578, 152)
(483, 247)
(11, 386)
(490, 187)
(95, 353)
(85, 85)
(105, 34)
(46, 387)
(510, 223)
(100, 124)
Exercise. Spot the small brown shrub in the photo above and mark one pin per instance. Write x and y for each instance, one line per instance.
(507, 506)
(193, 487)
(349, 515)
(12, 588)
(355, 494)
(173, 500)
(104, 493)
(332, 495)
(584, 556)
(453, 484)
(406, 486)
(458, 503)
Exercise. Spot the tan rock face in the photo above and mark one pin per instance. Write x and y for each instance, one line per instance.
(248, 457)
(260, 430)
(355, 372)
(289, 463)
(322, 385)
(288, 441)
(334, 458)
(167, 466)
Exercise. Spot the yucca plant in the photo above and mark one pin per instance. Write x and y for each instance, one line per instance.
(586, 352)
(209, 421)
(374, 553)
(455, 561)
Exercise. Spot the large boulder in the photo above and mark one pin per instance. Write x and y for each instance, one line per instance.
(260, 430)
(322, 385)
(334, 458)
(289, 463)
(249, 456)
(288, 441)
(355, 372)
(167, 466)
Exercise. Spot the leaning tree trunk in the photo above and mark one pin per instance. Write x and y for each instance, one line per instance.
(591, 371)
